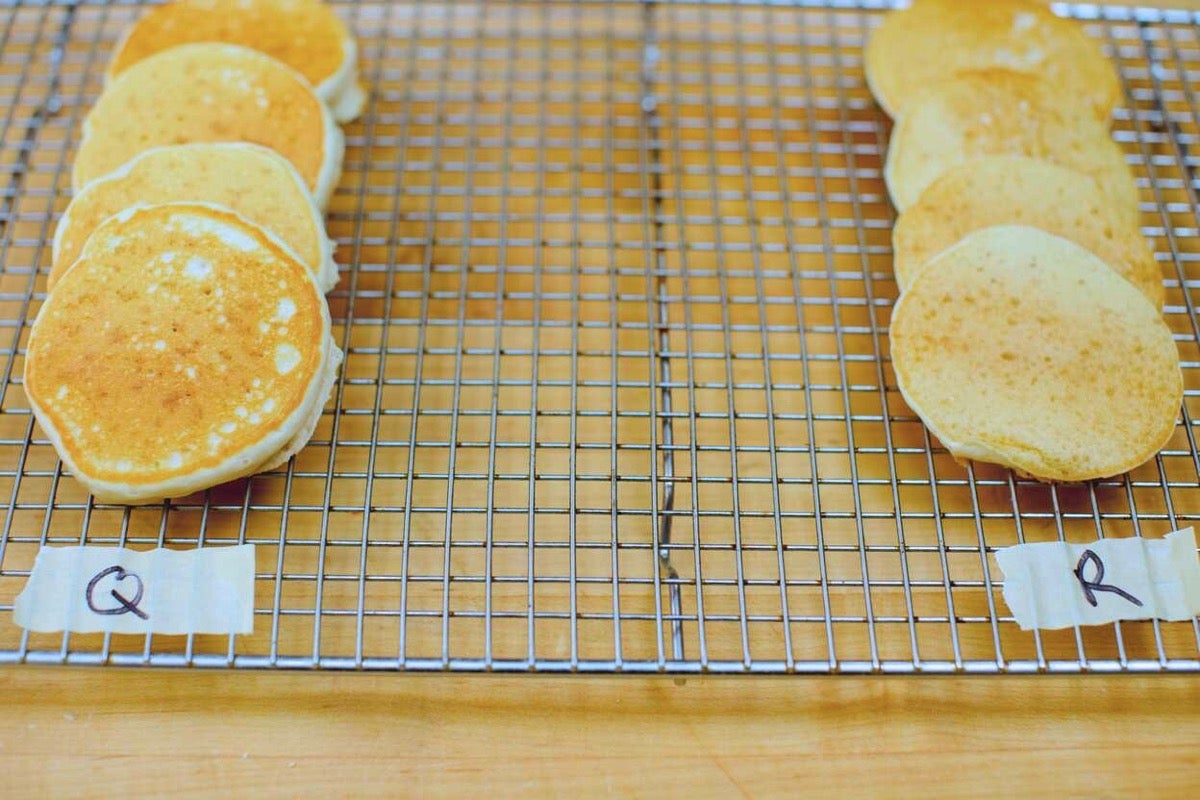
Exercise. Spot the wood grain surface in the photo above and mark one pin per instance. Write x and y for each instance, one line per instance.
(816, 456)
(68, 732)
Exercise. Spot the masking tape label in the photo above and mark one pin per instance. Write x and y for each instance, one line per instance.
(1057, 585)
(112, 589)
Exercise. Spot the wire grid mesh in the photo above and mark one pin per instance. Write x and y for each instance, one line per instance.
(615, 295)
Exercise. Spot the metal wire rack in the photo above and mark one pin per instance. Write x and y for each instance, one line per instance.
(615, 296)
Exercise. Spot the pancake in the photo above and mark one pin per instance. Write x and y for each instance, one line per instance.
(304, 34)
(186, 347)
(936, 39)
(1000, 112)
(1010, 190)
(255, 182)
(211, 93)
(1020, 348)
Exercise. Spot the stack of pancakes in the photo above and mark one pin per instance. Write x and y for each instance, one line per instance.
(186, 340)
(1029, 330)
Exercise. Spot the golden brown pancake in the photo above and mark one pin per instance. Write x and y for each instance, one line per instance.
(304, 34)
(1012, 190)
(936, 39)
(186, 347)
(999, 112)
(211, 93)
(1020, 348)
(255, 182)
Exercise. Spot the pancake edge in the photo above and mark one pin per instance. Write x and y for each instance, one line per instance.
(906, 269)
(327, 272)
(343, 91)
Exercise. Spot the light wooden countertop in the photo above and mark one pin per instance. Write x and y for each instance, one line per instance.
(129, 732)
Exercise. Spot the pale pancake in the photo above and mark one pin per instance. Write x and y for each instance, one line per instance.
(212, 93)
(304, 34)
(1000, 112)
(935, 39)
(186, 347)
(255, 182)
(1020, 348)
(1011, 190)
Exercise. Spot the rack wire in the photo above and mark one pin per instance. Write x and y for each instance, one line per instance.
(615, 295)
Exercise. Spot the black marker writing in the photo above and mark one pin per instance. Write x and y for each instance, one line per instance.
(1090, 587)
(125, 605)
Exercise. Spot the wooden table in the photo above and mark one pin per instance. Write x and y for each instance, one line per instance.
(133, 733)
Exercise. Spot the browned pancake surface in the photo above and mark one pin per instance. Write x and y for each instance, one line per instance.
(253, 181)
(304, 34)
(182, 339)
(206, 93)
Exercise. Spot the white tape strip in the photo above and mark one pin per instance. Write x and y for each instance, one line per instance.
(110, 589)
(1057, 585)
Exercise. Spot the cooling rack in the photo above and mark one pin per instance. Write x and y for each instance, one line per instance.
(615, 294)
